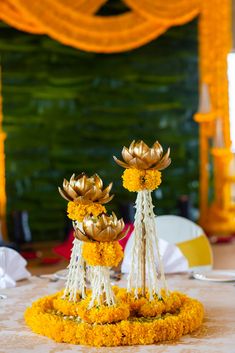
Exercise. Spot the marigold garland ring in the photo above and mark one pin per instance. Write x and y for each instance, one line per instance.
(45, 318)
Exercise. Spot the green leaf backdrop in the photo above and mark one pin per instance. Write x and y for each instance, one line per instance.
(69, 111)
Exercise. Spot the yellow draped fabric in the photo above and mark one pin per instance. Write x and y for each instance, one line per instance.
(197, 251)
(75, 23)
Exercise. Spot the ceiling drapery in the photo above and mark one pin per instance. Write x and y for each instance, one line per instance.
(75, 23)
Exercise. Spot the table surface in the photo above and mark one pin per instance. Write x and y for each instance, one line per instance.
(216, 335)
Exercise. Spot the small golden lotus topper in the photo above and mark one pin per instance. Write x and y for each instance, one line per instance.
(82, 187)
(103, 228)
(141, 156)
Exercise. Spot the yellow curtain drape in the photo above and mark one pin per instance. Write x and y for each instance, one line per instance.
(75, 23)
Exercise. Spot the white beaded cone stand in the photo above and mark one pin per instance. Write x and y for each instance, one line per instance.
(76, 280)
(143, 273)
(102, 292)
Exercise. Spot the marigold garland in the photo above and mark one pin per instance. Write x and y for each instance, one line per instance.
(127, 305)
(102, 253)
(43, 318)
(136, 180)
(78, 211)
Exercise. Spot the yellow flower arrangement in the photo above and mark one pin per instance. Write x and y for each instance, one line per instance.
(45, 318)
(99, 314)
(77, 211)
(102, 253)
(137, 179)
(127, 305)
(142, 306)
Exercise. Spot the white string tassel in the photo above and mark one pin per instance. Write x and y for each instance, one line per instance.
(76, 281)
(156, 241)
(159, 258)
(135, 275)
(145, 216)
(151, 271)
(102, 292)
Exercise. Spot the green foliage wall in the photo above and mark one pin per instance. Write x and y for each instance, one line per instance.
(69, 111)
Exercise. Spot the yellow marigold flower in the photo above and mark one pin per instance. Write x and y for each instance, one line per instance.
(103, 314)
(102, 253)
(136, 180)
(45, 318)
(97, 314)
(78, 211)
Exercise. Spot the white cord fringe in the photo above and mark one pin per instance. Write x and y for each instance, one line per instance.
(145, 215)
(102, 292)
(76, 281)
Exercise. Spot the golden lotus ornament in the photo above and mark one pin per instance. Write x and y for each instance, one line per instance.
(141, 156)
(84, 188)
(103, 228)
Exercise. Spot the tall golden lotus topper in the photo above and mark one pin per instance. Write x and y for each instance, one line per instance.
(140, 156)
(83, 188)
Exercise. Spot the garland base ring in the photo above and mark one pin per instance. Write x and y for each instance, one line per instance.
(185, 317)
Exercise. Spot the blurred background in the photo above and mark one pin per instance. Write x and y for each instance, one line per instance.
(69, 111)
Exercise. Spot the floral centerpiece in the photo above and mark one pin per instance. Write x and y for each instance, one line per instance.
(146, 311)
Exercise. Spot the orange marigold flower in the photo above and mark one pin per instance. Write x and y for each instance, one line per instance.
(102, 253)
(78, 211)
(136, 180)
(46, 318)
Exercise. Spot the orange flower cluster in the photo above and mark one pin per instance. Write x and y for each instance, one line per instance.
(78, 211)
(107, 254)
(136, 180)
(46, 317)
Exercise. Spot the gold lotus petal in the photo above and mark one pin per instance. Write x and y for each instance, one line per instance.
(164, 162)
(122, 164)
(108, 189)
(65, 183)
(122, 234)
(81, 236)
(107, 234)
(127, 156)
(157, 147)
(120, 226)
(98, 181)
(150, 158)
(151, 155)
(91, 194)
(72, 178)
(140, 148)
(162, 166)
(64, 194)
(92, 230)
(82, 183)
(105, 193)
(104, 220)
(121, 222)
(131, 147)
(115, 219)
(70, 191)
(106, 199)
(80, 199)
(98, 192)
(138, 163)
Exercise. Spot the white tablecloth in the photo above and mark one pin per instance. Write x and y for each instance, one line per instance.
(216, 335)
